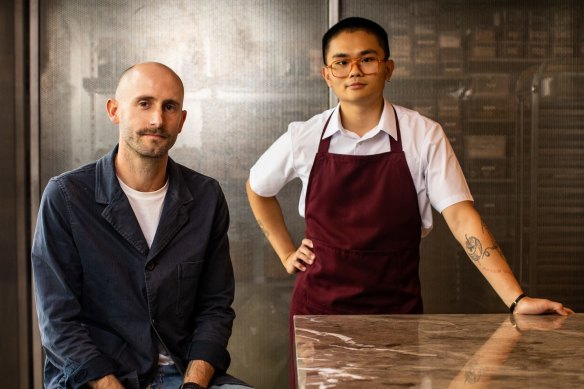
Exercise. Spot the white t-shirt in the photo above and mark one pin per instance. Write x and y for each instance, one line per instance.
(436, 173)
(147, 207)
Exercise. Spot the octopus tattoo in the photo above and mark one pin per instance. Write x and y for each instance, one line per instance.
(472, 374)
(474, 247)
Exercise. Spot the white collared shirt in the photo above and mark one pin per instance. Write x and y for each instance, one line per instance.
(436, 173)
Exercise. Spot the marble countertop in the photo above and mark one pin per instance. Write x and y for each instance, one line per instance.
(439, 351)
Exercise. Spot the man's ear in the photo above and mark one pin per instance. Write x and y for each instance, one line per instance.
(112, 110)
(183, 119)
(390, 66)
(326, 75)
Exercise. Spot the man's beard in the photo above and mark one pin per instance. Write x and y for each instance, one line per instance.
(146, 150)
(160, 131)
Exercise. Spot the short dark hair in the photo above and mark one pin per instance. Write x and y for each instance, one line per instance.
(355, 24)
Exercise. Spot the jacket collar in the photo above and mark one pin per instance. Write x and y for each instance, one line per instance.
(120, 215)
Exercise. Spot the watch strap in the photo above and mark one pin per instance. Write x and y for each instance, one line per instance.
(514, 303)
(191, 385)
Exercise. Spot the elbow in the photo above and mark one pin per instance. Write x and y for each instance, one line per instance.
(249, 190)
(459, 215)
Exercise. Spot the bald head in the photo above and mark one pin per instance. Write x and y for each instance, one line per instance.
(148, 109)
(147, 72)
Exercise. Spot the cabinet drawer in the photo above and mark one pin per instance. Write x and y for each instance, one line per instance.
(484, 34)
(448, 107)
(450, 125)
(493, 205)
(424, 55)
(513, 33)
(538, 35)
(563, 35)
(510, 49)
(477, 169)
(483, 50)
(449, 54)
(490, 84)
(491, 109)
(536, 50)
(562, 51)
(485, 146)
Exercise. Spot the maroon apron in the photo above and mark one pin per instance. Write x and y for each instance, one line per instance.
(363, 218)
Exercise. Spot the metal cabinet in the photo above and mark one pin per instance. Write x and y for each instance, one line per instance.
(458, 63)
(551, 171)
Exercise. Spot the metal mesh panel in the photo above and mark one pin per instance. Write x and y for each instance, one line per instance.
(458, 63)
(249, 68)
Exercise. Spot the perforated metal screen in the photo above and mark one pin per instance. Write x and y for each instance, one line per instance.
(251, 67)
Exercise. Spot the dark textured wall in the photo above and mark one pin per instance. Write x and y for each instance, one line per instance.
(8, 259)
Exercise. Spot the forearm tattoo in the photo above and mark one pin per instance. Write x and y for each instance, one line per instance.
(472, 373)
(266, 233)
(474, 246)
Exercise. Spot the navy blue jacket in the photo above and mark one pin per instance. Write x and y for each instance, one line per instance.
(104, 298)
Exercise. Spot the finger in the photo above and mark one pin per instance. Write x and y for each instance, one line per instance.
(559, 309)
(566, 311)
(299, 265)
(304, 250)
(307, 242)
(561, 312)
(305, 254)
(291, 264)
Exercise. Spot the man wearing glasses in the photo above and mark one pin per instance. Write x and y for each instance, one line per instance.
(370, 172)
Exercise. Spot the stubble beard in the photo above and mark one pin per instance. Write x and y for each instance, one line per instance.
(148, 148)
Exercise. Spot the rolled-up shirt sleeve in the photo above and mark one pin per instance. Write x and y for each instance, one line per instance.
(58, 275)
(274, 169)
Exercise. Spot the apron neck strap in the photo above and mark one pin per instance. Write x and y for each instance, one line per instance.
(324, 144)
(395, 145)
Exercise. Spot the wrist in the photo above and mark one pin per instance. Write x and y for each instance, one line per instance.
(515, 302)
(108, 381)
(287, 255)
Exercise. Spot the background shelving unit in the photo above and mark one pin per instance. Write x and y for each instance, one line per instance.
(551, 123)
(458, 62)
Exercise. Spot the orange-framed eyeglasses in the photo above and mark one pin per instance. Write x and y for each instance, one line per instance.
(342, 67)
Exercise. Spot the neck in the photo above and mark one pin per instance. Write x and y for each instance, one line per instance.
(140, 173)
(360, 118)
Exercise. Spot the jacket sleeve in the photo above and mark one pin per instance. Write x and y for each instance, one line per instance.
(214, 315)
(58, 277)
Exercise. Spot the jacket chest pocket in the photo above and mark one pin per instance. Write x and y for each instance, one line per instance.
(188, 280)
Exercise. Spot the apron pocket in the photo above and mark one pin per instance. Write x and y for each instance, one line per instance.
(356, 281)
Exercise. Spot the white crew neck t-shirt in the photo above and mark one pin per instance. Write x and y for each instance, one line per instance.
(147, 207)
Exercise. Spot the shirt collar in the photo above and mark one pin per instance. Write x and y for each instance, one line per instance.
(387, 122)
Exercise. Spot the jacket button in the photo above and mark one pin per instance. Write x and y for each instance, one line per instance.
(150, 265)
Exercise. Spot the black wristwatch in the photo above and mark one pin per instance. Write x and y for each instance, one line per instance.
(191, 385)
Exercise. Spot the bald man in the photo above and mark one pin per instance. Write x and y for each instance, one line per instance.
(132, 273)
